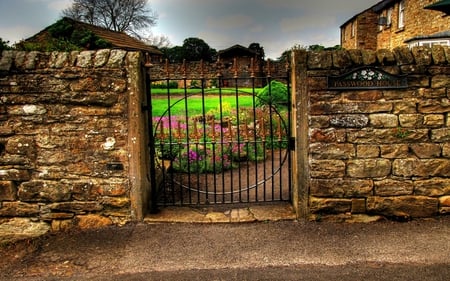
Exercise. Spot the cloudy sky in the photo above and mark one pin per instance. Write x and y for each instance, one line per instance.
(276, 24)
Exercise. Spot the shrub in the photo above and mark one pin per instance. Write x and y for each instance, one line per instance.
(165, 85)
(274, 94)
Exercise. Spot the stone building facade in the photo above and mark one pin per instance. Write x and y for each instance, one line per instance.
(373, 152)
(73, 137)
(395, 23)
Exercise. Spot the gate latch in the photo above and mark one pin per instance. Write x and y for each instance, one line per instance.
(292, 144)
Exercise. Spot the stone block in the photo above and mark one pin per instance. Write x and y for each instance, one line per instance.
(14, 175)
(368, 95)
(116, 59)
(383, 120)
(62, 225)
(390, 187)
(21, 145)
(434, 120)
(319, 60)
(92, 221)
(446, 150)
(367, 151)
(403, 206)
(368, 168)
(327, 168)
(422, 55)
(385, 57)
(58, 59)
(440, 81)
(17, 229)
(101, 57)
(324, 135)
(349, 121)
(8, 191)
(426, 150)
(387, 136)
(327, 205)
(6, 60)
(440, 135)
(76, 207)
(332, 151)
(319, 121)
(438, 55)
(432, 187)
(434, 106)
(412, 167)
(339, 188)
(341, 59)
(43, 191)
(403, 55)
(18, 209)
(394, 151)
(444, 201)
(118, 187)
(405, 107)
(411, 120)
(368, 57)
(116, 202)
(84, 59)
(355, 56)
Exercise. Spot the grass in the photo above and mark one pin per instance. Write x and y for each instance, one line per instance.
(209, 91)
(195, 104)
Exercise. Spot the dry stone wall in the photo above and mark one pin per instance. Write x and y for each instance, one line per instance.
(377, 152)
(64, 144)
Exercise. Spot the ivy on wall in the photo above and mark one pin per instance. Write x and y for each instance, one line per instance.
(64, 36)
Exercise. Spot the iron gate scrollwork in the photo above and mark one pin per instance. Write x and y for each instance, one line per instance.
(220, 140)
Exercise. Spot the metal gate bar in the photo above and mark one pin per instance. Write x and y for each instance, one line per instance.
(234, 154)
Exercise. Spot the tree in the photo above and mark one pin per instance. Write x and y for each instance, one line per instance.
(158, 41)
(196, 49)
(129, 16)
(258, 49)
(4, 45)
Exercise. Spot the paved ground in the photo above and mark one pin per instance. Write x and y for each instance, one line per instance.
(283, 250)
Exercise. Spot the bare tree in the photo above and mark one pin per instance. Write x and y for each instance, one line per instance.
(128, 16)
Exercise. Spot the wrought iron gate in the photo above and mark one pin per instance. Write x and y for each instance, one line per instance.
(220, 140)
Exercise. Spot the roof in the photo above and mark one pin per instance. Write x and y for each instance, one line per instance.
(375, 8)
(443, 6)
(119, 40)
(237, 50)
(443, 34)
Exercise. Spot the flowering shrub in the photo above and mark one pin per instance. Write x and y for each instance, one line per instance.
(205, 145)
(210, 158)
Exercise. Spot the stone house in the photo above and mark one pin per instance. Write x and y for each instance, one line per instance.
(112, 39)
(242, 61)
(393, 23)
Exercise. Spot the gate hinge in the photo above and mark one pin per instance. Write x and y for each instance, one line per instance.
(292, 143)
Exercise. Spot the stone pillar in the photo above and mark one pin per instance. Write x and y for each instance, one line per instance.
(300, 131)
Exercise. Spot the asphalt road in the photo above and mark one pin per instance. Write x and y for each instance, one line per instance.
(416, 250)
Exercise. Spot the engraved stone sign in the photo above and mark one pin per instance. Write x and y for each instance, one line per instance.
(367, 78)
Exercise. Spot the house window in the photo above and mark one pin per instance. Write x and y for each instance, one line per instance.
(389, 16)
(401, 14)
(353, 29)
(430, 43)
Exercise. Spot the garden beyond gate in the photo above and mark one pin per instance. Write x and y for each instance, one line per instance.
(220, 138)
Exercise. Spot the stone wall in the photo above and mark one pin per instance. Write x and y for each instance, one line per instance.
(69, 138)
(376, 152)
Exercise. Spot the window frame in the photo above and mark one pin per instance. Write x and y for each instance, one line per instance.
(401, 14)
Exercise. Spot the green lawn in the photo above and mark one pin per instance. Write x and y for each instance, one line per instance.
(195, 103)
(209, 91)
